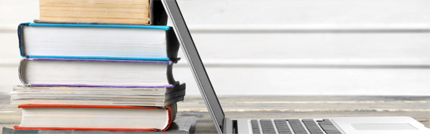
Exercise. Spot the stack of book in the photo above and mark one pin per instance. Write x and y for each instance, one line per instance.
(97, 65)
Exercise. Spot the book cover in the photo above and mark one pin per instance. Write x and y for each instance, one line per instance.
(181, 125)
(98, 41)
(95, 72)
(62, 124)
(84, 11)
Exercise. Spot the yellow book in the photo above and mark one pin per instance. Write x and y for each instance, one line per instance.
(95, 11)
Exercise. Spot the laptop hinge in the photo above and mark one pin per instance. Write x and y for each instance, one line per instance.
(230, 126)
(235, 129)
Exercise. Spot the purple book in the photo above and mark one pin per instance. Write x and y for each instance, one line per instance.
(96, 73)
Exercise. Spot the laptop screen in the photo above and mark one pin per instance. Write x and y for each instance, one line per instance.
(196, 63)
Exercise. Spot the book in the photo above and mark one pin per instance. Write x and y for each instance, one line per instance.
(95, 72)
(100, 11)
(93, 101)
(101, 41)
(96, 117)
(155, 90)
(155, 96)
(181, 125)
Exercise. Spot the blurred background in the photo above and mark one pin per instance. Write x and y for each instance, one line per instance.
(286, 47)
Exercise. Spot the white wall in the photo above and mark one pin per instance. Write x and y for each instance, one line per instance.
(288, 47)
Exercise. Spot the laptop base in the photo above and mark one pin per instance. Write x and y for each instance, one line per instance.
(325, 125)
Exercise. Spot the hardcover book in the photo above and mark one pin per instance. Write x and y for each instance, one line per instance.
(100, 41)
(95, 72)
(181, 125)
(96, 117)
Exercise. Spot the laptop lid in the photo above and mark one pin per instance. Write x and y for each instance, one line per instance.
(180, 27)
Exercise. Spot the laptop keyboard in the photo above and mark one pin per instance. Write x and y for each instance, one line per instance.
(283, 127)
(293, 126)
(267, 127)
(312, 126)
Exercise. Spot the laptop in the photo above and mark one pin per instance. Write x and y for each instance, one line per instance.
(323, 125)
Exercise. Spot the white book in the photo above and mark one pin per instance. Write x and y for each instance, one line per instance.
(98, 41)
(160, 96)
(95, 72)
(96, 117)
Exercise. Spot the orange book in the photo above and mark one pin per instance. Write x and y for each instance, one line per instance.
(96, 117)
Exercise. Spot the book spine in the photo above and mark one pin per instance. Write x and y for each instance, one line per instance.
(20, 32)
(170, 119)
(21, 71)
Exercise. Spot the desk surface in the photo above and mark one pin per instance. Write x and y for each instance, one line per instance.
(417, 107)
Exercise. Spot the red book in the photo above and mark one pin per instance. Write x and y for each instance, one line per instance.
(96, 117)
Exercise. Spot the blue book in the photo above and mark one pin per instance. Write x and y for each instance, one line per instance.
(97, 41)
